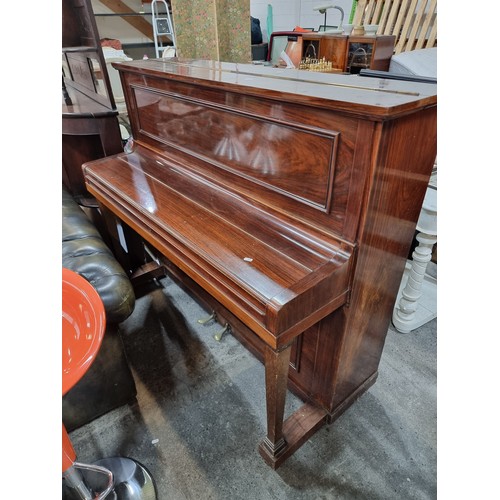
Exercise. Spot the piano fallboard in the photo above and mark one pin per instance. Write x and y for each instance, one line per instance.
(277, 277)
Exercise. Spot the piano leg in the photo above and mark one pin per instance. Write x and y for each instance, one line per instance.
(285, 437)
(276, 366)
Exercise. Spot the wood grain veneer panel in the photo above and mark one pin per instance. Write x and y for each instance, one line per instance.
(267, 152)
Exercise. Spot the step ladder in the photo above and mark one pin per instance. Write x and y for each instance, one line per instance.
(162, 26)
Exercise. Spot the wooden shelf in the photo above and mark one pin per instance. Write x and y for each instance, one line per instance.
(123, 14)
(82, 48)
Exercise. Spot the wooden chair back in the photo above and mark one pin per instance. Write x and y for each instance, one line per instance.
(414, 22)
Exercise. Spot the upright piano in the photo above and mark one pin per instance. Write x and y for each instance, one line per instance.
(287, 202)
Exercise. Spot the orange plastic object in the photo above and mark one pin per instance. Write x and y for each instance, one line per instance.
(68, 452)
(83, 325)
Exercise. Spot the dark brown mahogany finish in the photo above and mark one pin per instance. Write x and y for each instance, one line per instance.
(285, 200)
(90, 126)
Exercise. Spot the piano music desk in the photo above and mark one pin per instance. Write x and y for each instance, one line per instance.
(287, 202)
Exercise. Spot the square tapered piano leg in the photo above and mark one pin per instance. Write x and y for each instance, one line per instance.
(284, 437)
(276, 366)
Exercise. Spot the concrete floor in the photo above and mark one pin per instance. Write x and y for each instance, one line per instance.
(200, 415)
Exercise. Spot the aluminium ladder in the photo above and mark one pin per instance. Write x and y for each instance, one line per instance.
(162, 26)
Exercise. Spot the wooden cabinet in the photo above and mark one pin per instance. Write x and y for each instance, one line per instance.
(350, 54)
(325, 53)
(331, 49)
(90, 128)
(371, 52)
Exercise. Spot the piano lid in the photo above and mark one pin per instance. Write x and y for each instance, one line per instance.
(373, 96)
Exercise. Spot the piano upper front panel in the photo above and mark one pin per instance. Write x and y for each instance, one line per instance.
(262, 150)
(277, 153)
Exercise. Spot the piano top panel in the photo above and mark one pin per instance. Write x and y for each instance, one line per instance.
(374, 98)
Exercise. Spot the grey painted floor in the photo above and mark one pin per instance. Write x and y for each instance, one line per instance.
(200, 415)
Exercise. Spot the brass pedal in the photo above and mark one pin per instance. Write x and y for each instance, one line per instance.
(220, 333)
(206, 320)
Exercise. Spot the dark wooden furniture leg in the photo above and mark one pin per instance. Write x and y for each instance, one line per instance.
(276, 365)
(285, 437)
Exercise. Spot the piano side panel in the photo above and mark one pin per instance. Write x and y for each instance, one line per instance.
(337, 359)
(397, 189)
(283, 155)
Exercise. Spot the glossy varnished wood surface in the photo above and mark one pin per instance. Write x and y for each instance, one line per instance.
(405, 156)
(373, 98)
(89, 131)
(288, 202)
(275, 152)
(270, 273)
(262, 149)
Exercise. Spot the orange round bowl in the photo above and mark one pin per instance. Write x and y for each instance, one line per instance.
(83, 325)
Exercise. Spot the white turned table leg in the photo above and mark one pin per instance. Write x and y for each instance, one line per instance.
(405, 317)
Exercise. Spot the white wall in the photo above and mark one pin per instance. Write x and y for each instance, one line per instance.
(290, 13)
(286, 14)
(116, 27)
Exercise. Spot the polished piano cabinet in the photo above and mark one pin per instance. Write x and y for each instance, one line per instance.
(287, 202)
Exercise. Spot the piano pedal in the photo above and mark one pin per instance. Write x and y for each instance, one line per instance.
(206, 320)
(220, 333)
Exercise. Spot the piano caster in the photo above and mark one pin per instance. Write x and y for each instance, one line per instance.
(206, 320)
(219, 334)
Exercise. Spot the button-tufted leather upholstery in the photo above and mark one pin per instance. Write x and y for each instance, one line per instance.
(84, 252)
